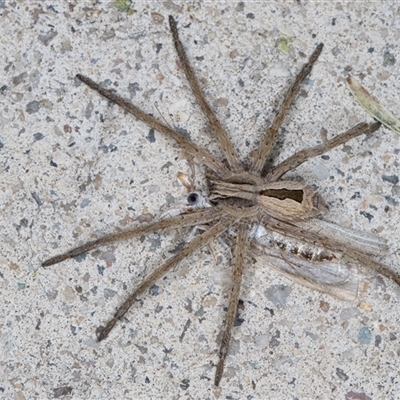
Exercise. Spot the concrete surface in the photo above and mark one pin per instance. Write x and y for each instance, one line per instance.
(74, 167)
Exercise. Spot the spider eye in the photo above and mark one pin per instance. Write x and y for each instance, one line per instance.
(193, 198)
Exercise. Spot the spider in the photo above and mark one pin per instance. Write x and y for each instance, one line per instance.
(244, 196)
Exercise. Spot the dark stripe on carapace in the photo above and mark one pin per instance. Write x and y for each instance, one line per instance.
(282, 194)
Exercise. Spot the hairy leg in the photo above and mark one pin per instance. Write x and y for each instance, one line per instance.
(198, 217)
(240, 253)
(191, 148)
(265, 147)
(303, 155)
(198, 242)
(215, 125)
(324, 239)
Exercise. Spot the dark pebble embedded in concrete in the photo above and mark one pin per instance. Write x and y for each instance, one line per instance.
(38, 136)
(36, 198)
(367, 215)
(388, 59)
(341, 374)
(154, 290)
(32, 107)
(80, 257)
(133, 88)
(62, 391)
(391, 200)
(151, 137)
(109, 293)
(394, 179)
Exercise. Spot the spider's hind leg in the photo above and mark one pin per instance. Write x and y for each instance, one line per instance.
(240, 253)
(200, 241)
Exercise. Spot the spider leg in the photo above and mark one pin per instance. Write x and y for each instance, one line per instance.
(343, 244)
(215, 125)
(265, 147)
(198, 242)
(199, 217)
(376, 266)
(303, 155)
(191, 148)
(240, 253)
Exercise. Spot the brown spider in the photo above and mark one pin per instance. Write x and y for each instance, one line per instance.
(241, 197)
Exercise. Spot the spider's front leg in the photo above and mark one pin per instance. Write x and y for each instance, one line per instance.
(214, 123)
(190, 148)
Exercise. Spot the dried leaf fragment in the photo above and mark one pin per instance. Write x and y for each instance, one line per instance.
(372, 105)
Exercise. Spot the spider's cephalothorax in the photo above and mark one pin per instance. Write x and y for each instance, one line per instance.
(240, 196)
(285, 200)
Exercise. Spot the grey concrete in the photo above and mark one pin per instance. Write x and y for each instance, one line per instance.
(73, 167)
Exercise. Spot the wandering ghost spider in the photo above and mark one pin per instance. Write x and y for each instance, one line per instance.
(324, 256)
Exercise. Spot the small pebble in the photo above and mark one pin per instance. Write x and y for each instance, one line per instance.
(364, 335)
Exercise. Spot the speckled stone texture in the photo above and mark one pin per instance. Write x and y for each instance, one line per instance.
(73, 167)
